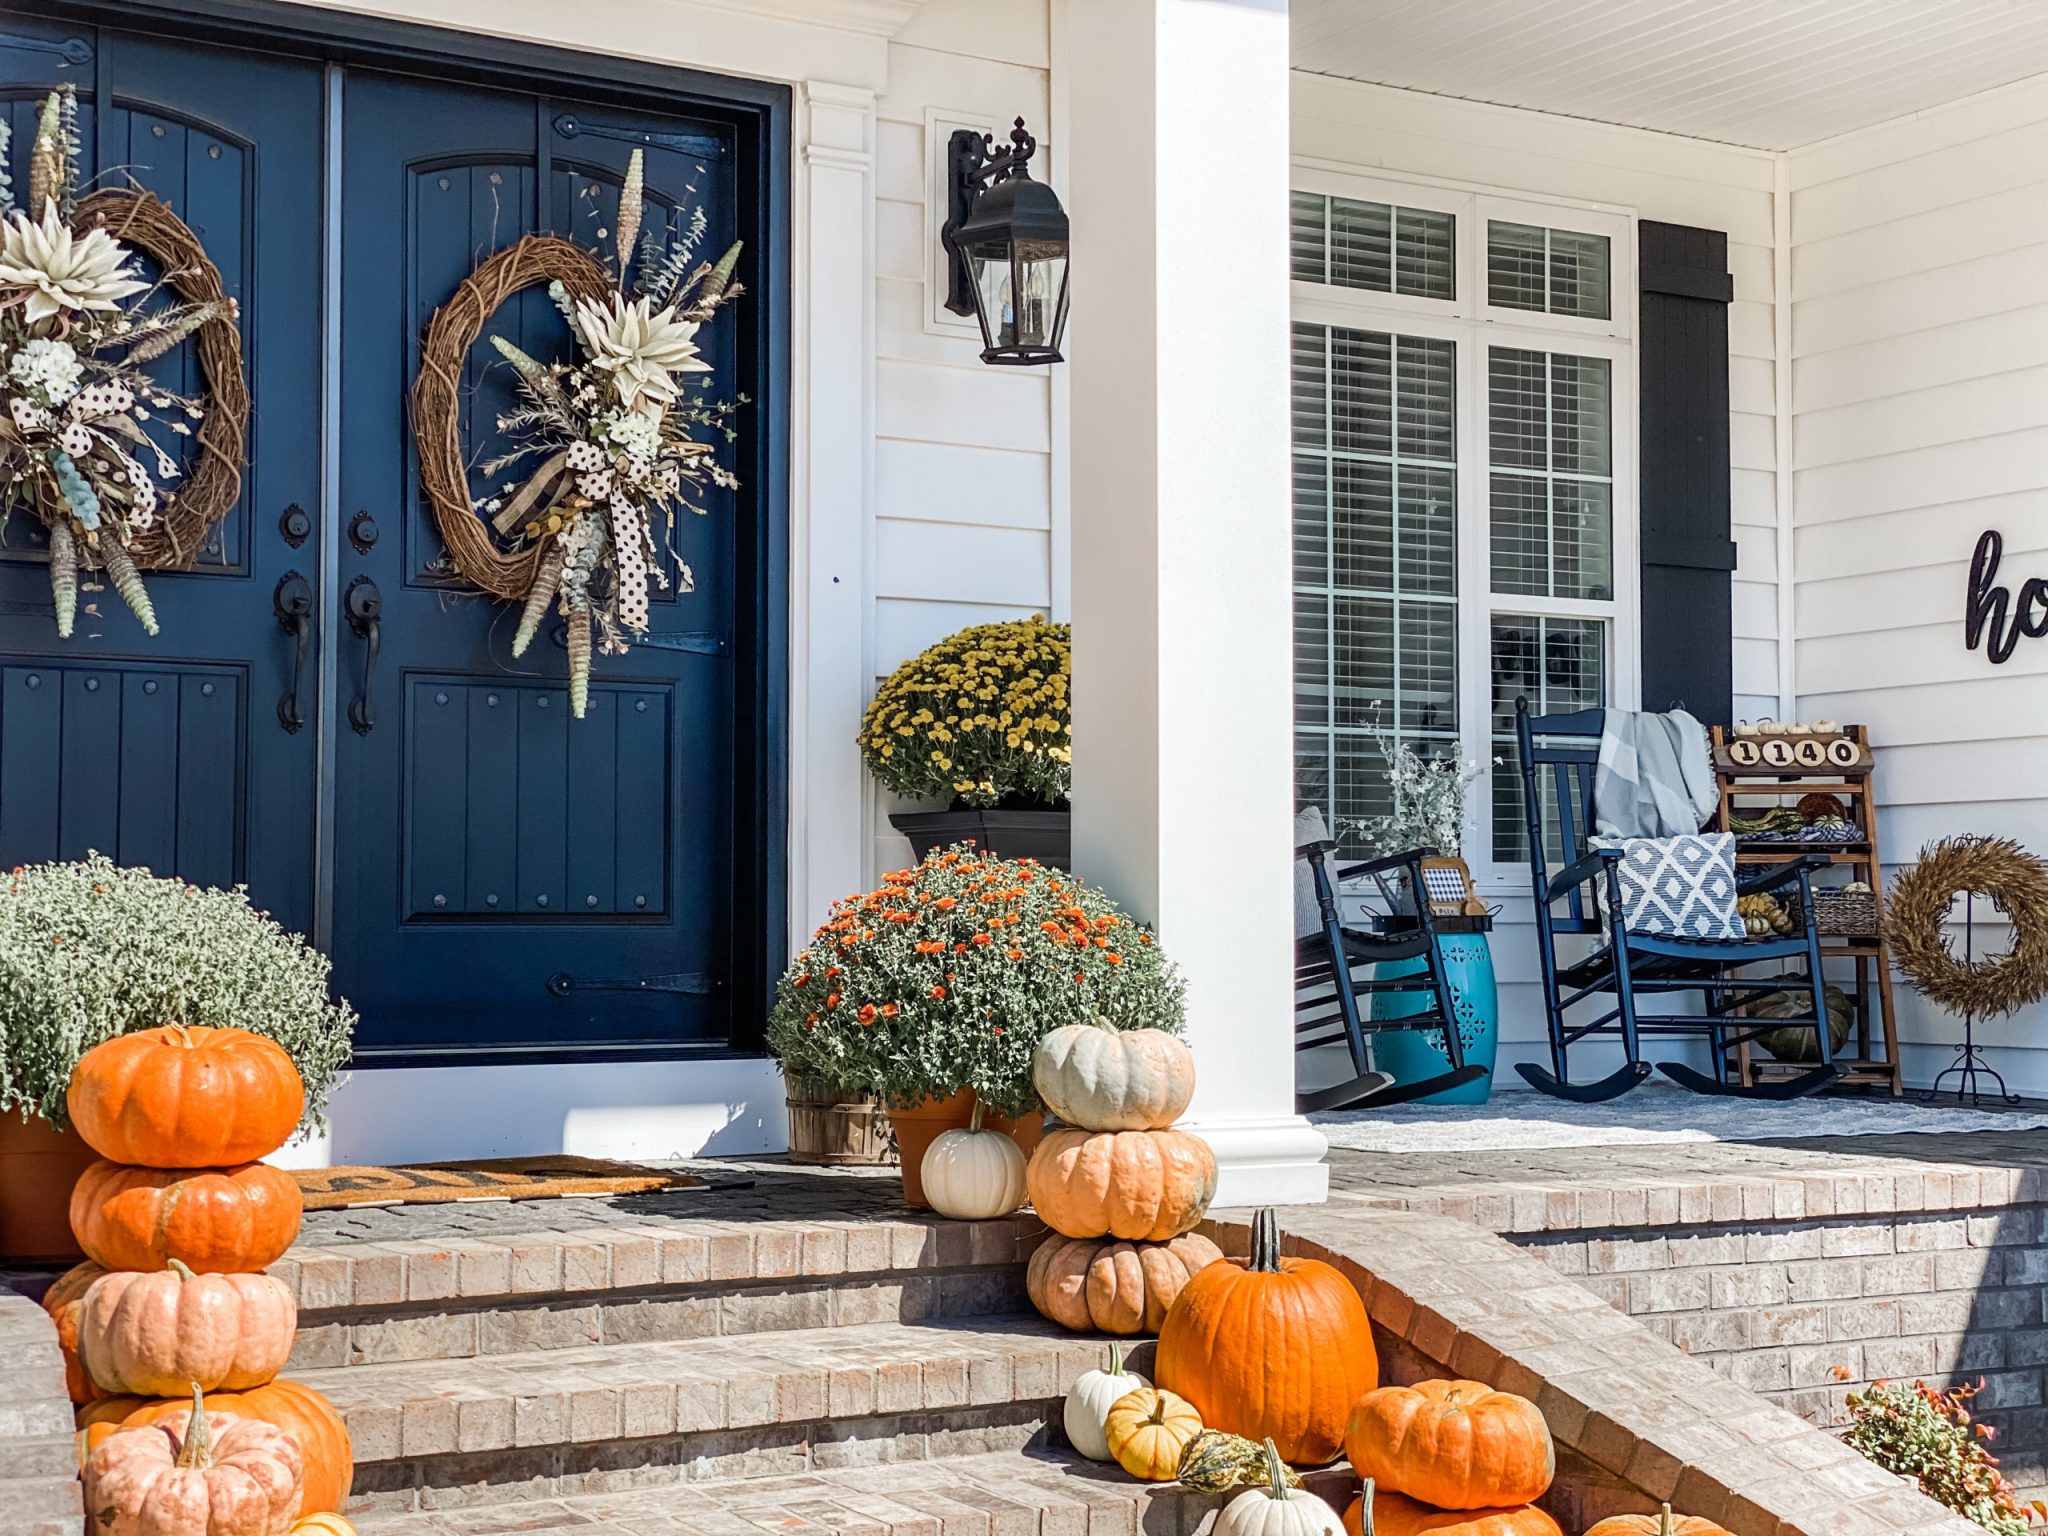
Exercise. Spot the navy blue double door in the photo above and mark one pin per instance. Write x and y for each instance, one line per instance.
(494, 880)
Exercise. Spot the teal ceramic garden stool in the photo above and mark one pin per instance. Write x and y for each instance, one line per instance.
(1412, 1055)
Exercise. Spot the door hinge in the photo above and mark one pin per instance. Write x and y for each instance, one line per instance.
(693, 983)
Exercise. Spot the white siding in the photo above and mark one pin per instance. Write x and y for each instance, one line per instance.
(1656, 176)
(1920, 418)
(963, 527)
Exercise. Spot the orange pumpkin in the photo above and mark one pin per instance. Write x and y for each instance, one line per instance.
(1271, 1348)
(185, 1097)
(147, 1332)
(292, 1406)
(1087, 1283)
(1663, 1523)
(226, 1476)
(217, 1220)
(1454, 1444)
(62, 1301)
(1145, 1186)
(1395, 1514)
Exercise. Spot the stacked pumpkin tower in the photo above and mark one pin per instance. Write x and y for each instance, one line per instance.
(1121, 1190)
(179, 1219)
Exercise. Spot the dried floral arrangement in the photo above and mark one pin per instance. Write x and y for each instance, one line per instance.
(1429, 800)
(608, 448)
(950, 973)
(981, 717)
(79, 326)
(89, 951)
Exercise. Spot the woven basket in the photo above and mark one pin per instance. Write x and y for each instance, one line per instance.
(832, 1127)
(1846, 914)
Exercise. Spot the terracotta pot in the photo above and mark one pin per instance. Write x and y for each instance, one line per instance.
(38, 1166)
(918, 1126)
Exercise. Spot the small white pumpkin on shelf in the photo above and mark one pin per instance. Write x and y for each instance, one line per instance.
(1748, 728)
(1827, 728)
(1275, 1509)
(973, 1175)
(1089, 1402)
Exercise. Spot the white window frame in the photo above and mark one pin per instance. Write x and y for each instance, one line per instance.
(1475, 325)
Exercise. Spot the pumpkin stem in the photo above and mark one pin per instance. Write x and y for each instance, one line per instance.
(197, 1450)
(1265, 1259)
(1664, 1525)
(1116, 1358)
(1276, 1470)
(1365, 1510)
(181, 1269)
(974, 1120)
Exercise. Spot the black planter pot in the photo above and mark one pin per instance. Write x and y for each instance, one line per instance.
(1046, 836)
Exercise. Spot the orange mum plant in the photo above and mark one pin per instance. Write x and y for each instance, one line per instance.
(949, 974)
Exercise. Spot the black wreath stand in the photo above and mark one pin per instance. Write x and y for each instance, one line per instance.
(1970, 1064)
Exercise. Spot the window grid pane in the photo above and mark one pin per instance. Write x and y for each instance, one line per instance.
(1560, 666)
(1551, 492)
(1375, 560)
(1549, 271)
(1378, 247)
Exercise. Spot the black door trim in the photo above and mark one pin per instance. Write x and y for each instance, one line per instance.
(760, 112)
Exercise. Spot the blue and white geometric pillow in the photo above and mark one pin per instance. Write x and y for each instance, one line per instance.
(1679, 887)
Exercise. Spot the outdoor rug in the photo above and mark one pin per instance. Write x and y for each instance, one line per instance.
(553, 1176)
(1521, 1120)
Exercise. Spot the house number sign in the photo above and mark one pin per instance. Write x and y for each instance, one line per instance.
(1995, 619)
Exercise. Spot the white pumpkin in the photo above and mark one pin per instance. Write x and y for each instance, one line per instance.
(1275, 1509)
(973, 1175)
(1104, 1079)
(1089, 1401)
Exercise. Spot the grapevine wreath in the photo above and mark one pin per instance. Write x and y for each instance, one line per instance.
(2013, 878)
(606, 447)
(81, 415)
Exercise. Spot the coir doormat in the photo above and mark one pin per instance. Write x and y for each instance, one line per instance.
(553, 1176)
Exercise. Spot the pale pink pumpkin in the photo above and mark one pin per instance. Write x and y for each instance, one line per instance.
(226, 1476)
(157, 1333)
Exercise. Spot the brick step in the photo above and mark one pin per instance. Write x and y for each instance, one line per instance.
(586, 1420)
(1038, 1492)
(513, 1291)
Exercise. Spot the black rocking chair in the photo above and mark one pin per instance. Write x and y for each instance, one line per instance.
(1632, 965)
(1333, 967)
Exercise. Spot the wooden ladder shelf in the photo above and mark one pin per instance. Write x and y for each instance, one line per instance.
(1753, 775)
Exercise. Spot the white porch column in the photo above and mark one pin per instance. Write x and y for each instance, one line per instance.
(1177, 167)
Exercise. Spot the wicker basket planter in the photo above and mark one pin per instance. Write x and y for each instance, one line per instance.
(1841, 914)
(833, 1127)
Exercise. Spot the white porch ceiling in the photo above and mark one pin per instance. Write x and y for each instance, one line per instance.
(1771, 74)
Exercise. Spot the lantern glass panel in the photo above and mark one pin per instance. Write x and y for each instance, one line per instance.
(1005, 270)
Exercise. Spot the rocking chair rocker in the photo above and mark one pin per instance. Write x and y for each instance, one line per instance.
(1334, 965)
(1631, 965)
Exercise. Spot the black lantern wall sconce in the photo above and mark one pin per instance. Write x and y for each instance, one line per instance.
(1007, 236)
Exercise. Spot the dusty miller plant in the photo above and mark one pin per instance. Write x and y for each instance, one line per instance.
(89, 951)
(1429, 800)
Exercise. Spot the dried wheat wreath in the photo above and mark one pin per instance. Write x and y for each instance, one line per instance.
(437, 402)
(146, 223)
(1996, 867)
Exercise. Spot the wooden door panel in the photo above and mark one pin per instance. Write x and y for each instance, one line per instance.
(148, 765)
(579, 871)
(167, 751)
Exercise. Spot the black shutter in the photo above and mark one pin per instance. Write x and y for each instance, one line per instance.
(1687, 553)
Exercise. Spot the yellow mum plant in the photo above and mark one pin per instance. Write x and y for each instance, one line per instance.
(980, 719)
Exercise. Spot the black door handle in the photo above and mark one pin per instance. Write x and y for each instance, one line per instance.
(364, 605)
(293, 603)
